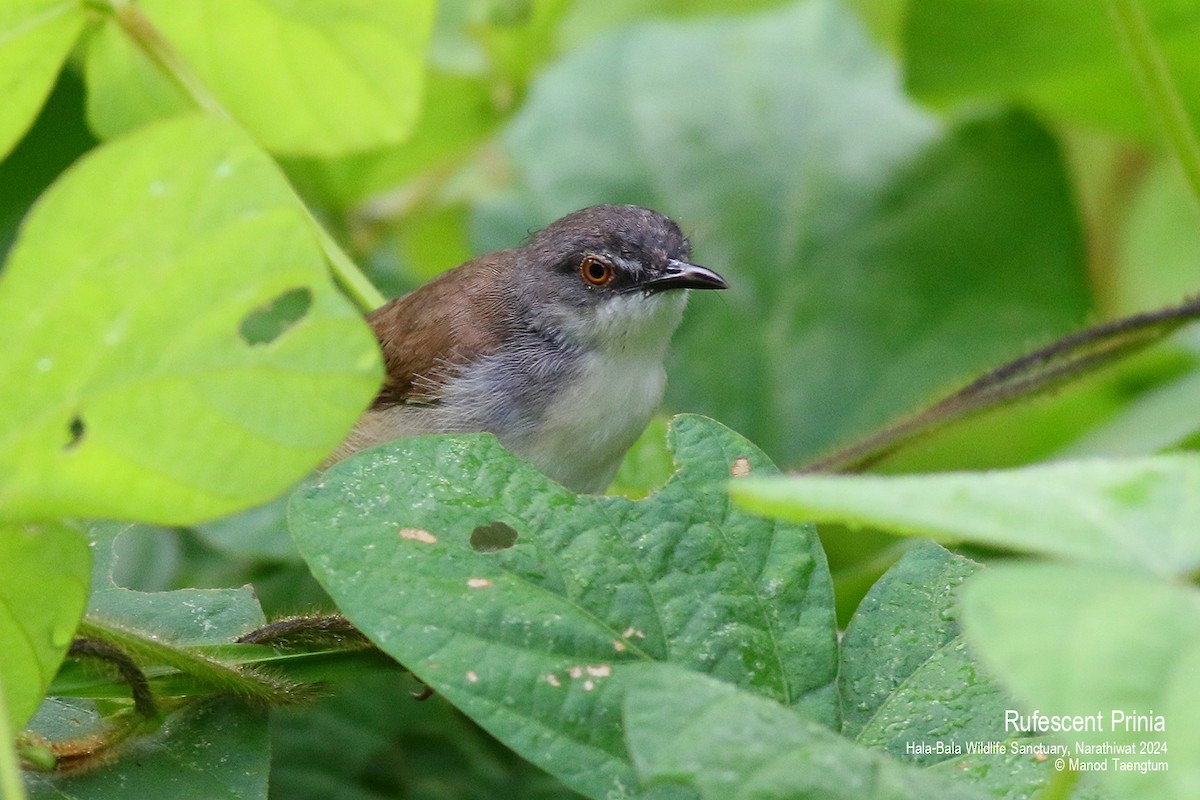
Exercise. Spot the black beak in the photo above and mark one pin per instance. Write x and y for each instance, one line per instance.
(681, 275)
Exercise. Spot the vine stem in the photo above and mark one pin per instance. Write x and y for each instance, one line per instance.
(1132, 26)
(1054, 365)
(214, 676)
(147, 38)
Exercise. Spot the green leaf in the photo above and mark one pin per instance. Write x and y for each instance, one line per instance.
(1063, 58)
(533, 641)
(129, 387)
(35, 38)
(459, 113)
(731, 744)
(216, 751)
(44, 573)
(213, 749)
(1136, 513)
(875, 257)
(1076, 640)
(906, 618)
(305, 78)
(907, 679)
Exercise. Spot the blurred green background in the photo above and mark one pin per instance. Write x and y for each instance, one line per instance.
(902, 193)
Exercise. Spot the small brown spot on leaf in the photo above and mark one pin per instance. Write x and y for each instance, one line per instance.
(418, 535)
(478, 583)
(740, 468)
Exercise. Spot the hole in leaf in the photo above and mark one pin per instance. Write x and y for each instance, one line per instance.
(268, 322)
(75, 430)
(493, 537)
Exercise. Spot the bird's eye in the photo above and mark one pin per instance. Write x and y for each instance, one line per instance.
(596, 271)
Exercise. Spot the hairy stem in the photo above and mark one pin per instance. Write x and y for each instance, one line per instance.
(218, 678)
(1050, 367)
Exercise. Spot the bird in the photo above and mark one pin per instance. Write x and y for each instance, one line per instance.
(555, 346)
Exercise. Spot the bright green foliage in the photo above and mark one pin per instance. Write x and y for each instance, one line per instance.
(43, 590)
(1135, 513)
(733, 745)
(1083, 640)
(305, 78)
(216, 749)
(534, 641)
(1063, 57)
(35, 37)
(873, 254)
(129, 385)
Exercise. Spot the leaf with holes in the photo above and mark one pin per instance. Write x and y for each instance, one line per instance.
(525, 604)
(174, 347)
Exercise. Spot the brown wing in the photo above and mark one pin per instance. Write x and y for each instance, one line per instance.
(428, 335)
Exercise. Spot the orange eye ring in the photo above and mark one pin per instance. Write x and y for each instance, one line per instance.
(596, 271)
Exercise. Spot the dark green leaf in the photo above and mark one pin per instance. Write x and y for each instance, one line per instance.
(734, 745)
(1063, 57)
(532, 641)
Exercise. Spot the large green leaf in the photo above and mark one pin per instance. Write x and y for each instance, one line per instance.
(215, 749)
(1074, 640)
(1136, 513)
(910, 687)
(35, 37)
(44, 573)
(525, 604)
(145, 375)
(733, 745)
(906, 618)
(1063, 57)
(873, 258)
(306, 78)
